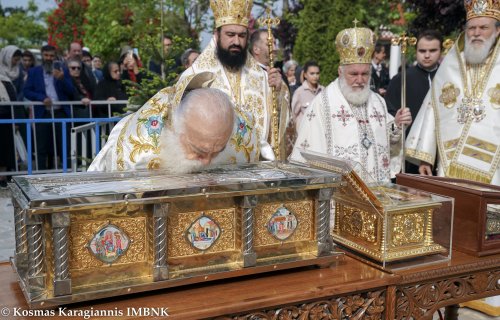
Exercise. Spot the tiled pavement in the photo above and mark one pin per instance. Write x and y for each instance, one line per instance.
(6, 225)
(7, 248)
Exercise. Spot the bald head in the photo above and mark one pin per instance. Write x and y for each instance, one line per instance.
(210, 106)
(204, 122)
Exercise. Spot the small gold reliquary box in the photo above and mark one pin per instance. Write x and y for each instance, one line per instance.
(388, 224)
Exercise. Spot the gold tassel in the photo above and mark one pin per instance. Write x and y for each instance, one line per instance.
(458, 171)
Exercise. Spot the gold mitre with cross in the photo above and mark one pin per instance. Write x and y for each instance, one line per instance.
(482, 8)
(231, 12)
(355, 45)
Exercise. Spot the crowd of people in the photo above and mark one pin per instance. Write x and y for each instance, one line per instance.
(73, 75)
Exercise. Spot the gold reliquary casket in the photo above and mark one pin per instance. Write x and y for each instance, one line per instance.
(86, 236)
(391, 225)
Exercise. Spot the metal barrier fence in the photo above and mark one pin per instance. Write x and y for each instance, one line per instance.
(85, 134)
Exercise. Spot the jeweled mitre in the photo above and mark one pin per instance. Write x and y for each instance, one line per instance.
(482, 8)
(355, 45)
(231, 12)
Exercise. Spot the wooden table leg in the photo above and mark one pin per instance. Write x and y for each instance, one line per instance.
(451, 312)
(390, 303)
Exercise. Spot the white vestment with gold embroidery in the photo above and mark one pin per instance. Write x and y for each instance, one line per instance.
(134, 142)
(332, 126)
(251, 95)
(460, 119)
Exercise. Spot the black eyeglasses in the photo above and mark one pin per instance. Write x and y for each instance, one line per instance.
(75, 68)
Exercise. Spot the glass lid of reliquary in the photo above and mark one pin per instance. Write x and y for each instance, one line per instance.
(228, 178)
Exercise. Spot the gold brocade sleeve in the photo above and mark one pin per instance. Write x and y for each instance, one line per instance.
(284, 107)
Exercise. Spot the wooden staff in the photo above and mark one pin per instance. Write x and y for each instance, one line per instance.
(269, 23)
(403, 41)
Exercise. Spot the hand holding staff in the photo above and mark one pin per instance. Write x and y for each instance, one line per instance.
(403, 41)
(269, 23)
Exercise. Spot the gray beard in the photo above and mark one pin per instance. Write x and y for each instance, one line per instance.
(354, 97)
(477, 55)
(172, 155)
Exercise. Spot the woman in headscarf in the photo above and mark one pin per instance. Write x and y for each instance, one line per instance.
(111, 88)
(81, 92)
(9, 74)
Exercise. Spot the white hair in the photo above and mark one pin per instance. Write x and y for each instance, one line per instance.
(289, 64)
(212, 105)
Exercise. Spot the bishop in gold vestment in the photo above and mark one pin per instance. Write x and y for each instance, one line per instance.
(238, 74)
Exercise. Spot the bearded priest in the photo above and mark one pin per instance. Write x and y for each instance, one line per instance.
(348, 120)
(460, 116)
(240, 76)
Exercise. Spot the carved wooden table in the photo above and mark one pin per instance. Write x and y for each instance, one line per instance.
(349, 290)
(422, 291)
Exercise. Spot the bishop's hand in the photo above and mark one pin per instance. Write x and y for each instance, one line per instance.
(425, 169)
(274, 78)
(403, 116)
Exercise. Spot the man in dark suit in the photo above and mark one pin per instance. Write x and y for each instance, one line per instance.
(418, 79)
(48, 83)
(380, 73)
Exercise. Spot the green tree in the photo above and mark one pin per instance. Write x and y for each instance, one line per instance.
(377, 13)
(66, 23)
(139, 93)
(447, 16)
(319, 22)
(22, 27)
(114, 24)
(286, 31)
(195, 13)
(317, 32)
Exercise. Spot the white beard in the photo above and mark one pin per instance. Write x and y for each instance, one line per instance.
(172, 155)
(477, 54)
(352, 96)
